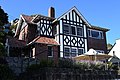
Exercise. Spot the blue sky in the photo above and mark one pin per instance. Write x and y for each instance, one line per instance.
(103, 13)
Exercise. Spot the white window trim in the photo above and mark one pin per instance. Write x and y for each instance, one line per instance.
(101, 51)
(82, 31)
(64, 51)
(82, 49)
(90, 35)
(68, 28)
(70, 32)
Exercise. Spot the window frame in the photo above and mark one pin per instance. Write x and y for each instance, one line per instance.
(50, 51)
(78, 52)
(82, 31)
(67, 52)
(99, 32)
(72, 29)
(67, 29)
(70, 32)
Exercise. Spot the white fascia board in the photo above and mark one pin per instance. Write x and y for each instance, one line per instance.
(78, 12)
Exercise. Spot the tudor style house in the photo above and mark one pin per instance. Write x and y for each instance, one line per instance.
(46, 37)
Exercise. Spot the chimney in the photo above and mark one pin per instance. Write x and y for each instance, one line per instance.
(51, 12)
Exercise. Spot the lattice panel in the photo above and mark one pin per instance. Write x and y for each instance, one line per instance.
(45, 28)
(49, 30)
(81, 42)
(73, 41)
(66, 40)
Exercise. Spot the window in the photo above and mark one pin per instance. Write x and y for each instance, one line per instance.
(95, 34)
(100, 51)
(73, 52)
(101, 34)
(89, 33)
(80, 51)
(73, 31)
(66, 29)
(79, 31)
(23, 36)
(50, 51)
(66, 51)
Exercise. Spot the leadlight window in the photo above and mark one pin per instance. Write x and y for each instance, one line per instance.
(73, 30)
(80, 31)
(66, 29)
(66, 51)
(73, 52)
(95, 34)
(50, 51)
(80, 51)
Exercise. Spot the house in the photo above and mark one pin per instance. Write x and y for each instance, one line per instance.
(46, 37)
(115, 51)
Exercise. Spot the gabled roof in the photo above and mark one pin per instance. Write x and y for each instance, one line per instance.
(44, 40)
(27, 18)
(39, 16)
(78, 12)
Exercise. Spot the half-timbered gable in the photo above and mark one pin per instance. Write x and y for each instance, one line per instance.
(72, 33)
(44, 25)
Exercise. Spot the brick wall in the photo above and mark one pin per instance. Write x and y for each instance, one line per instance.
(31, 32)
(41, 51)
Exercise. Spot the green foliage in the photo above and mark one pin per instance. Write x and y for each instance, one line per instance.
(65, 63)
(6, 73)
(2, 50)
(3, 17)
(90, 65)
(42, 64)
(109, 46)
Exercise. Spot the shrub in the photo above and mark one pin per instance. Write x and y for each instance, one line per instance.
(65, 63)
(6, 73)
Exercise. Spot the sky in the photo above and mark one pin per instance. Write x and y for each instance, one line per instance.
(103, 13)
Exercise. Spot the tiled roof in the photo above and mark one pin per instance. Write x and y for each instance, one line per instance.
(27, 18)
(38, 17)
(45, 40)
(13, 42)
(99, 28)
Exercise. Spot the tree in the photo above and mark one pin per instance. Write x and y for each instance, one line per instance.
(3, 21)
(109, 46)
(3, 17)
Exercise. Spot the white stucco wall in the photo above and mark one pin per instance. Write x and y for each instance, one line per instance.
(116, 49)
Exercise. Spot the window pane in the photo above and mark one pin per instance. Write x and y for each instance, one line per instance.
(50, 51)
(101, 34)
(73, 52)
(73, 30)
(89, 33)
(80, 51)
(66, 29)
(79, 31)
(67, 52)
(95, 34)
